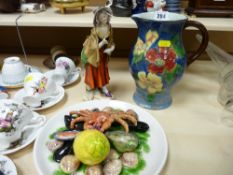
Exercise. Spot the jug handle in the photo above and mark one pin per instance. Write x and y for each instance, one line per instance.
(204, 42)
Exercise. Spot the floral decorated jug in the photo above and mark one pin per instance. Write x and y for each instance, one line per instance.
(158, 59)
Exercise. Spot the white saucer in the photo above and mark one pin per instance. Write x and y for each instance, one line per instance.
(7, 166)
(33, 69)
(3, 95)
(28, 137)
(73, 77)
(46, 103)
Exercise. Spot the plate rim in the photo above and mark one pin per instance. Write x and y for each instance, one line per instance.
(11, 162)
(37, 131)
(58, 113)
(77, 72)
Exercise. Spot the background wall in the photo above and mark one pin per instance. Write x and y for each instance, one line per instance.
(39, 40)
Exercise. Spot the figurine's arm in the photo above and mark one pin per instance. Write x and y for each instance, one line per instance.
(110, 49)
(102, 43)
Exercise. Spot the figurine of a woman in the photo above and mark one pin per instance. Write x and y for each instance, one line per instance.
(96, 51)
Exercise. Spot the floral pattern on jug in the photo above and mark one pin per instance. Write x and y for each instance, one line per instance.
(164, 63)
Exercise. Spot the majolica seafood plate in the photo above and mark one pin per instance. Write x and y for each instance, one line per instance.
(151, 146)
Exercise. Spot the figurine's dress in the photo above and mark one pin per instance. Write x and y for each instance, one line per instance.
(95, 60)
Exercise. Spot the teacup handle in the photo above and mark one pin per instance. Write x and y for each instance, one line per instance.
(204, 42)
(35, 122)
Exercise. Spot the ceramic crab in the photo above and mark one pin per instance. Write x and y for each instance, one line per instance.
(102, 120)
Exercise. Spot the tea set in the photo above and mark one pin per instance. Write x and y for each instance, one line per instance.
(19, 125)
(15, 120)
(40, 90)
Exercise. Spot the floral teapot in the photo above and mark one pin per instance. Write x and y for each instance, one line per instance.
(158, 59)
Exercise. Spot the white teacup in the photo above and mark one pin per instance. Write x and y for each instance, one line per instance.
(59, 75)
(63, 67)
(37, 88)
(13, 71)
(65, 63)
(15, 118)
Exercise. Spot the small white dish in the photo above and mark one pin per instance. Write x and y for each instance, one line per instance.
(72, 77)
(46, 103)
(155, 159)
(32, 68)
(7, 166)
(27, 137)
(3, 93)
(32, 7)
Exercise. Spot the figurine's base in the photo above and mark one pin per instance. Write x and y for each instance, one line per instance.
(96, 95)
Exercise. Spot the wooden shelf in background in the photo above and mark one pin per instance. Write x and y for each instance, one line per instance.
(75, 18)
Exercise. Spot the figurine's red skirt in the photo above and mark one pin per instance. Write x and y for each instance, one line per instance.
(97, 77)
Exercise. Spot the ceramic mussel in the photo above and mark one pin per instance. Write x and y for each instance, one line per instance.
(122, 141)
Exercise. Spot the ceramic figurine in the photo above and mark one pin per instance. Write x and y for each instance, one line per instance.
(121, 8)
(148, 5)
(139, 6)
(155, 5)
(158, 59)
(96, 51)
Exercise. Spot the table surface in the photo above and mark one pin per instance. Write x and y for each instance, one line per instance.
(198, 129)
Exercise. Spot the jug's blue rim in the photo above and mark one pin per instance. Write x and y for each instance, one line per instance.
(157, 20)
